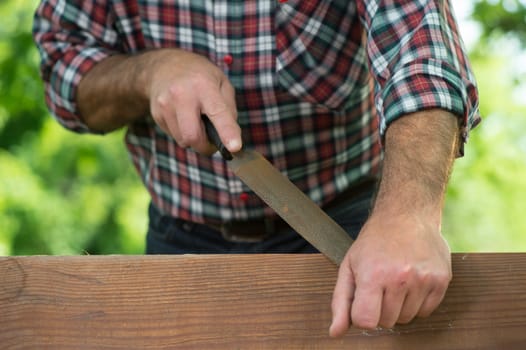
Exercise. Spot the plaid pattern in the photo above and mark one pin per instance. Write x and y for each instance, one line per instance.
(302, 72)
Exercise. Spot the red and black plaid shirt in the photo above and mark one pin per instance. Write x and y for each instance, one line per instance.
(317, 83)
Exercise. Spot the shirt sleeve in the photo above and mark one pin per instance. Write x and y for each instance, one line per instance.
(418, 60)
(72, 36)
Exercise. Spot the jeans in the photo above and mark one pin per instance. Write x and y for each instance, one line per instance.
(167, 235)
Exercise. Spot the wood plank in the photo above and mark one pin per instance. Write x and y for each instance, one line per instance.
(239, 302)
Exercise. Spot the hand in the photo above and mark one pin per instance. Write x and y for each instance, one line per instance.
(398, 268)
(182, 86)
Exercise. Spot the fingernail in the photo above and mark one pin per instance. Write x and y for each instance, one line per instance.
(234, 145)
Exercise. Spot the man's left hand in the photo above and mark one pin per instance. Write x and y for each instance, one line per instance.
(398, 268)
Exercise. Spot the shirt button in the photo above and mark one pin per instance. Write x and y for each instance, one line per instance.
(243, 197)
(228, 59)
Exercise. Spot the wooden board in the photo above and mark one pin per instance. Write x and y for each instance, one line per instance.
(239, 302)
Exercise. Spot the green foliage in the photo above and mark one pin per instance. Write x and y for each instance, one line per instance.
(501, 17)
(485, 207)
(60, 193)
(21, 109)
(63, 193)
(485, 204)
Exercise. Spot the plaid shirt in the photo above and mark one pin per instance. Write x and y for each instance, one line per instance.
(316, 81)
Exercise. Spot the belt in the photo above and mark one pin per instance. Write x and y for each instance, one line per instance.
(252, 231)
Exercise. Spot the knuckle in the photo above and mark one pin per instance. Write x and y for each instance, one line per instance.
(443, 280)
(401, 277)
(438, 280)
(176, 91)
(161, 101)
(405, 274)
(424, 278)
(377, 272)
(216, 108)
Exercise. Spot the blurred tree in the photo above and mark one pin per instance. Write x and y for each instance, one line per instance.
(20, 89)
(501, 17)
(62, 193)
(485, 204)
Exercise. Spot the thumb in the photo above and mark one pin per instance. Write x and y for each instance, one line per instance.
(342, 300)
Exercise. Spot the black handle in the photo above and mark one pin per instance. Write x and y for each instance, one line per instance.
(213, 136)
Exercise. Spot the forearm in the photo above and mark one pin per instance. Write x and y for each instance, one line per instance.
(419, 152)
(114, 93)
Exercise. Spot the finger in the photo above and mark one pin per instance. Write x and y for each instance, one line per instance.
(162, 124)
(392, 303)
(188, 123)
(432, 301)
(413, 302)
(162, 111)
(367, 305)
(341, 301)
(227, 90)
(423, 301)
(219, 106)
(229, 94)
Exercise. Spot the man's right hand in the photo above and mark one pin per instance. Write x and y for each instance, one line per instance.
(173, 85)
(181, 87)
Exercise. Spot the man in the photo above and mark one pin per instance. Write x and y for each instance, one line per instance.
(329, 91)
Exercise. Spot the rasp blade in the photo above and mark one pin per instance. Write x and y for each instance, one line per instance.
(289, 202)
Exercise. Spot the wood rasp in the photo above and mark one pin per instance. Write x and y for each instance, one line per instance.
(285, 198)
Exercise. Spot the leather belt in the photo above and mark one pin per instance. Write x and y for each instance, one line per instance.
(253, 231)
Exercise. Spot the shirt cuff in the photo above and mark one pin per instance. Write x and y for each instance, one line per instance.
(428, 84)
(62, 86)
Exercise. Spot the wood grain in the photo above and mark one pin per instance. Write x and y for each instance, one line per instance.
(239, 302)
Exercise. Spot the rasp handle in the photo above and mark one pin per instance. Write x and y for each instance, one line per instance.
(213, 136)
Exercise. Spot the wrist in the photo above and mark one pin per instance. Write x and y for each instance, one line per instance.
(419, 153)
(411, 204)
(111, 95)
(149, 64)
